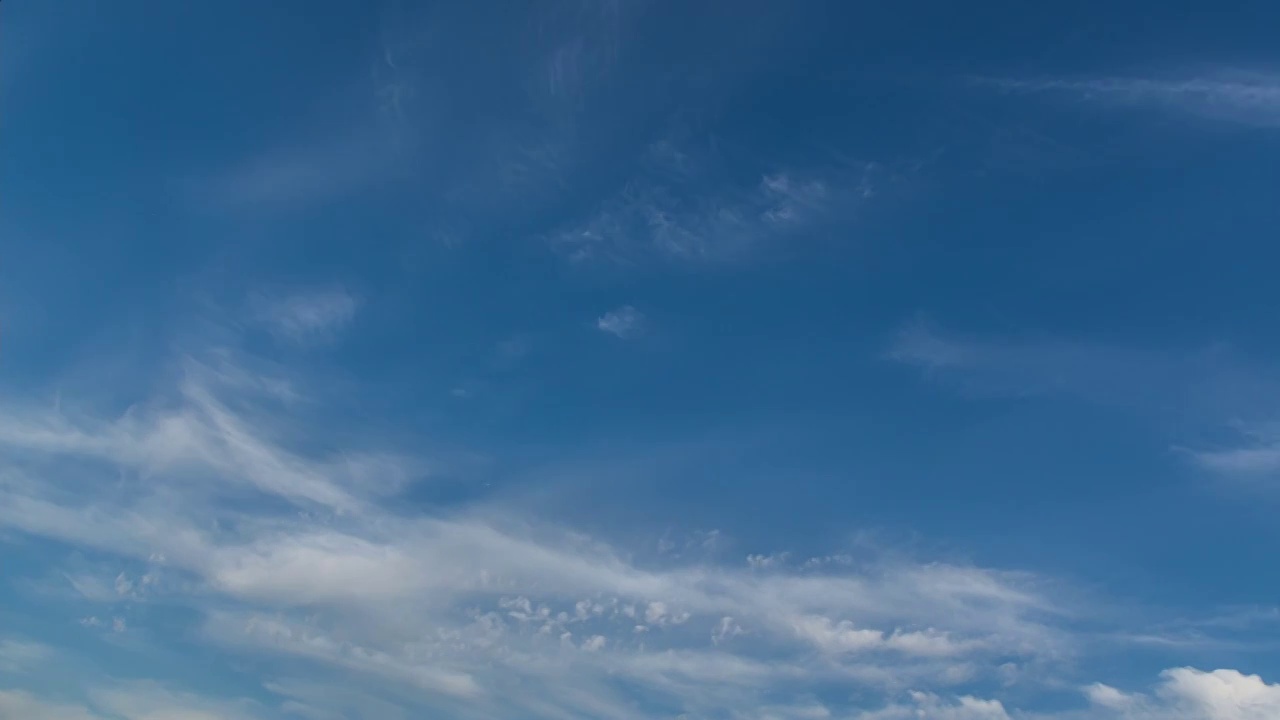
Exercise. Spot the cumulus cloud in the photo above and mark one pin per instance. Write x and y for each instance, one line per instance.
(626, 322)
(1244, 98)
(1191, 694)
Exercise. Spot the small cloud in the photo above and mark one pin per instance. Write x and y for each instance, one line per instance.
(766, 562)
(726, 630)
(626, 322)
(307, 318)
(118, 625)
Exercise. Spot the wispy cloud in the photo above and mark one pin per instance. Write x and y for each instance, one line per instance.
(477, 612)
(126, 701)
(1211, 389)
(683, 210)
(18, 656)
(626, 322)
(1237, 97)
(220, 501)
(299, 175)
(305, 318)
(1256, 456)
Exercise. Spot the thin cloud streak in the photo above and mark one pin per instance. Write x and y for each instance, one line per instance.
(1251, 99)
(305, 318)
(681, 211)
(1212, 389)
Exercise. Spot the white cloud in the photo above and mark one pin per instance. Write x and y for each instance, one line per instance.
(1230, 96)
(1191, 694)
(922, 705)
(306, 318)
(478, 611)
(338, 578)
(829, 636)
(626, 322)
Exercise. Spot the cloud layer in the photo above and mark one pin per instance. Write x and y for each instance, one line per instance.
(293, 546)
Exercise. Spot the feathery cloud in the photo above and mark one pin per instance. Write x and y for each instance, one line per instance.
(278, 550)
(457, 611)
(682, 210)
(306, 318)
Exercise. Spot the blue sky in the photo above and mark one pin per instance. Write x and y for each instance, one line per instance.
(635, 359)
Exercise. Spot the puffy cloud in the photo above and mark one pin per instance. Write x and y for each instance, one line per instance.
(1190, 694)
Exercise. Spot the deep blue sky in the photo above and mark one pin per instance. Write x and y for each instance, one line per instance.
(814, 359)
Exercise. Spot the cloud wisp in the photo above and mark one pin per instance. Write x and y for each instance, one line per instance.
(624, 323)
(680, 211)
(305, 318)
(1211, 389)
(1249, 99)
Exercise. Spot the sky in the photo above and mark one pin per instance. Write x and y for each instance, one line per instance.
(632, 359)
